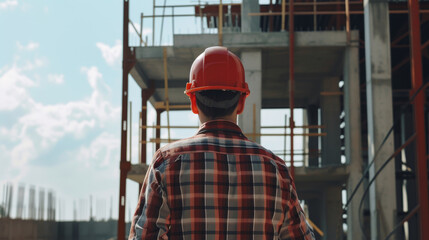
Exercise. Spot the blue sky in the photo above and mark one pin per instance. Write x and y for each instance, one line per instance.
(60, 99)
(60, 82)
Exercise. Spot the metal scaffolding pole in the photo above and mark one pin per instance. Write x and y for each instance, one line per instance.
(347, 21)
(128, 61)
(153, 24)
(291, 81)
(419, 116)
(158, 129)
(220, 24)
(141, 30)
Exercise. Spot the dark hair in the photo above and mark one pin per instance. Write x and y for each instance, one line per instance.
(225, 102)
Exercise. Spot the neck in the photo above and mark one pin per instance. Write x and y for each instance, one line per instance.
(231, 118)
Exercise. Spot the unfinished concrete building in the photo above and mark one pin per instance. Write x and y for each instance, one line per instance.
(354, 68)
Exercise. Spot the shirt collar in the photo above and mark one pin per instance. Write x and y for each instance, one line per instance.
(219, 126)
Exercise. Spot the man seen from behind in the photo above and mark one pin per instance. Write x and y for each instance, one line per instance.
(218, 184)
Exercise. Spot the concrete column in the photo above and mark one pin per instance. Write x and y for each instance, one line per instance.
(248, 23)
(382, 196)
(353, 136)
(250, 121)
(333, 215)
(313, 142)
(330, 106)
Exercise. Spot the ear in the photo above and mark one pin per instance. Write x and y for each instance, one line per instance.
(241, 103)
(194, 107)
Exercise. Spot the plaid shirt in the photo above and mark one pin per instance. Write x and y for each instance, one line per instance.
(218, 185)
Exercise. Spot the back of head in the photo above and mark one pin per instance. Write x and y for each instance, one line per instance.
(216, 104)
(216, 83)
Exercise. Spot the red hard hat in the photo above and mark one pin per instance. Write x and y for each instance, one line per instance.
(217, 69)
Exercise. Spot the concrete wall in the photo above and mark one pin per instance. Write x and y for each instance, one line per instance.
(12, 229)
(15, 229)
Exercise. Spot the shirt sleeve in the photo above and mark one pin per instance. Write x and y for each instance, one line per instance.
(151, 218)
(295, 225)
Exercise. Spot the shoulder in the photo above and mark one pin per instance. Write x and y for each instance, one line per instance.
(163, 155)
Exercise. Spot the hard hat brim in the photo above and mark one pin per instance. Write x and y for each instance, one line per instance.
(190, 90)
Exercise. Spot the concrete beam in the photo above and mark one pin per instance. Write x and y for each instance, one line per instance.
(323, 174)
(382, 193)
(265, 39)
(153, 52)
(249, 121)
(172, 83)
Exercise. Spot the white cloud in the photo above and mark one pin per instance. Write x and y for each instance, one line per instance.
(101, 152)
(29, 47)
(31, 65)
(111, 54)
(22, 153)
(13, 89)
(52, 122)
(8, 3)
(40, 126)
(14, 161)
(56, 78)
(93, 75)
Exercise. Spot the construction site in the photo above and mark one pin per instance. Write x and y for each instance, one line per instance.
(354, 69)
(350, 75)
